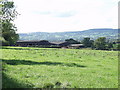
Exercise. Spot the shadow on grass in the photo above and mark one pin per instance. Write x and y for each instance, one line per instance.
(26, 62)
(25, 48)
(19, 48)
(8, 82)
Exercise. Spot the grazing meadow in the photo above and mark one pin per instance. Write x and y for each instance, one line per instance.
(28, 67)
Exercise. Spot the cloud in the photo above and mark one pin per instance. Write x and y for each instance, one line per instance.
(42, 12)
(65, 15)
(55, 13)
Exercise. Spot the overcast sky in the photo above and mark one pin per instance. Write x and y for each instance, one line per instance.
(65, 15)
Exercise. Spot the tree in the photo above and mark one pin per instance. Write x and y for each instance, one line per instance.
(100, 43)
(87, 42)
(116, 47)
(8, 29)
(8, 10)
(9, 33)
(109, 45)
(72, 41)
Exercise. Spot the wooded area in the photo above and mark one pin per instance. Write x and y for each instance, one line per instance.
(8, 29)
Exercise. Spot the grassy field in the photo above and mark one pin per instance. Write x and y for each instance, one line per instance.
(27, 67)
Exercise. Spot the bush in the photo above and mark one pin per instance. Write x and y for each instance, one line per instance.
(116, 47)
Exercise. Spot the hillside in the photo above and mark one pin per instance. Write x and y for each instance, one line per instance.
(77, 35)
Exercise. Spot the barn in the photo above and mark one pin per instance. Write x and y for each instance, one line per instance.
(75, 46)
(47, 44)
(42, 43)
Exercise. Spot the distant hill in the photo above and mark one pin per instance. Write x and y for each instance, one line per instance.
(77, 35)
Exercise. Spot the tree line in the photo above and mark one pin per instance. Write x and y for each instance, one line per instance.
(99, 44)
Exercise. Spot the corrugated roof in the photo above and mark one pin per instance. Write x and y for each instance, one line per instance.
(76, 45)
(32, 41)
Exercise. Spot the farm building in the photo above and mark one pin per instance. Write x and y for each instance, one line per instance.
(64, 44)
(45, 43)
(75, 46)
(42, 43)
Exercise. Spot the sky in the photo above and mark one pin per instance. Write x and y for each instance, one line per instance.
(65, 15)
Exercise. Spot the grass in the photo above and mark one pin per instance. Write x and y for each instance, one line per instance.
(27, 67)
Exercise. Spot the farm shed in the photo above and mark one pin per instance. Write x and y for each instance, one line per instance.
(64, 44)
(42, 43)
(75, 46)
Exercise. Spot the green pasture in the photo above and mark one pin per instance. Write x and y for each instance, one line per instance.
(27, 67)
